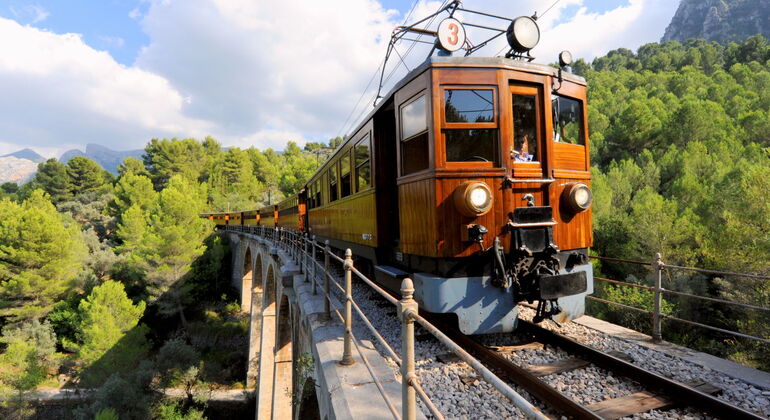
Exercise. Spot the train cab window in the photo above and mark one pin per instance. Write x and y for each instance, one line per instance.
(525, 128)
(470, 133)
(333, 184)
(567, 120)
(345, 181)
(363, 167)
(469, 105)
(414, 136)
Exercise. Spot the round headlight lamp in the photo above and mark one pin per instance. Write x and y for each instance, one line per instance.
(523, 34)
(473, 199)
(578, 197)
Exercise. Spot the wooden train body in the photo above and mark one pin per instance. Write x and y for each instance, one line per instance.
(472, 176)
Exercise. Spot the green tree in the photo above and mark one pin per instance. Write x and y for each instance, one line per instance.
(41, 256)
(85, 175)
(52, 176)
(133, 166)
(29, 359)
(132, 189)
(172, 241)
(166, 158)
(112, 339)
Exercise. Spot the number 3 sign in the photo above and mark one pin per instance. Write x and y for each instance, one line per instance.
(451, 34)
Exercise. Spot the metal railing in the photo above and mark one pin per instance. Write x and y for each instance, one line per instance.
(296, 245)
(659, 267)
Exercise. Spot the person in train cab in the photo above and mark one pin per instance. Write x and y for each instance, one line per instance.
(522, 155)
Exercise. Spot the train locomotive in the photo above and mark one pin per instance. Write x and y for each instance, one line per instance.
(472, 177)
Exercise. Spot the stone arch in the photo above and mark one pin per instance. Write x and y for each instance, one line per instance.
(284, 361)
(269, 289)
(259, 274)
(246, 280)
(267, 340)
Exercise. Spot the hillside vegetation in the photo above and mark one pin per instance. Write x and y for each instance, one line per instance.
(115, 283)
(680, 137)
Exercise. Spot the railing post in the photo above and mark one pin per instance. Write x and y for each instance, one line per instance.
(347, 354)
(303, 263)
(658, 266)
(313, 267)
(327, 306)
(407, 309)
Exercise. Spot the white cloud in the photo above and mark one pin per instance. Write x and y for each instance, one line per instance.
(113, 41)
(33, 13)
(252, 66)
(253, 73)
(57, 90)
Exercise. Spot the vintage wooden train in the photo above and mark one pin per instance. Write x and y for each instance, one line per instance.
(472, 177)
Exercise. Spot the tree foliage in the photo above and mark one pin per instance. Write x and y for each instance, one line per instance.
(42, 254)
(112, 338)
(681, 152)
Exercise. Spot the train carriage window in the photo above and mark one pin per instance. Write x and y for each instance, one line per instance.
(567, 120)
(333, 183)
(469, 105)
(525, 128)
(414, 136)
(471, 133)
(345, 181)
(317, 200)
(363, 167)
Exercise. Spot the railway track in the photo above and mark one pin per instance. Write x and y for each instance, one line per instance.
(662, 392)
(659, 392)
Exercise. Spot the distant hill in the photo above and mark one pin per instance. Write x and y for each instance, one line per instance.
(18, 170)
(719, 20)
(28, 154)
(109, 159)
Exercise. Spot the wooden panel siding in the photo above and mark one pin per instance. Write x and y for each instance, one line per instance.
(417, 215)
(451, 222)
(351, 219)
(573, 230)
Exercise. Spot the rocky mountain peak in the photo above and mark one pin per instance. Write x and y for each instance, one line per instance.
(719, 20)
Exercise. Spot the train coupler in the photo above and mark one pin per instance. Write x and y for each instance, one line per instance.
(541, 313)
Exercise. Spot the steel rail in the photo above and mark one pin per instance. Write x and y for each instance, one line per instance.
(525, 406)
(709, 327)
(609, 302)
(621, 260)
(526, 380)
(623, 283)
(726, 302)
(724, 273)
(673, 390)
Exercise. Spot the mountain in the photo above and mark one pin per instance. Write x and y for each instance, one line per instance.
(14, 169)
(719, 20)
(28, 154)
(109, 159)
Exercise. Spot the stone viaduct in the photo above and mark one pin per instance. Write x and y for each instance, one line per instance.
(295, 349)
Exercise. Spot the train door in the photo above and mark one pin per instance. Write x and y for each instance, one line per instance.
(385, 174)
(527, 155)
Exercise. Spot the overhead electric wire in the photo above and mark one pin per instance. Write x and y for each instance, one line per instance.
(344, 124)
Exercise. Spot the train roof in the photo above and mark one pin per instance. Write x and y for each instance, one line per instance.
(456, 62)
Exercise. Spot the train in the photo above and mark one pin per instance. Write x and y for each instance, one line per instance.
(472, 177)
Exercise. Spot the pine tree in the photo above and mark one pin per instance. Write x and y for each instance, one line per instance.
(113, 340)
(173, 240)
(85, 174)
(52, 176)
(41, 257)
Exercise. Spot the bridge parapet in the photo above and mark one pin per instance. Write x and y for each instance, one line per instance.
(345, 379)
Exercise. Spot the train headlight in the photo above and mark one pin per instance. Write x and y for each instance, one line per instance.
(523, 34)
(578, 197)
(473, 199)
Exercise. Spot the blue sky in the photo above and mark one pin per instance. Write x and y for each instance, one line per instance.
(235, 69)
